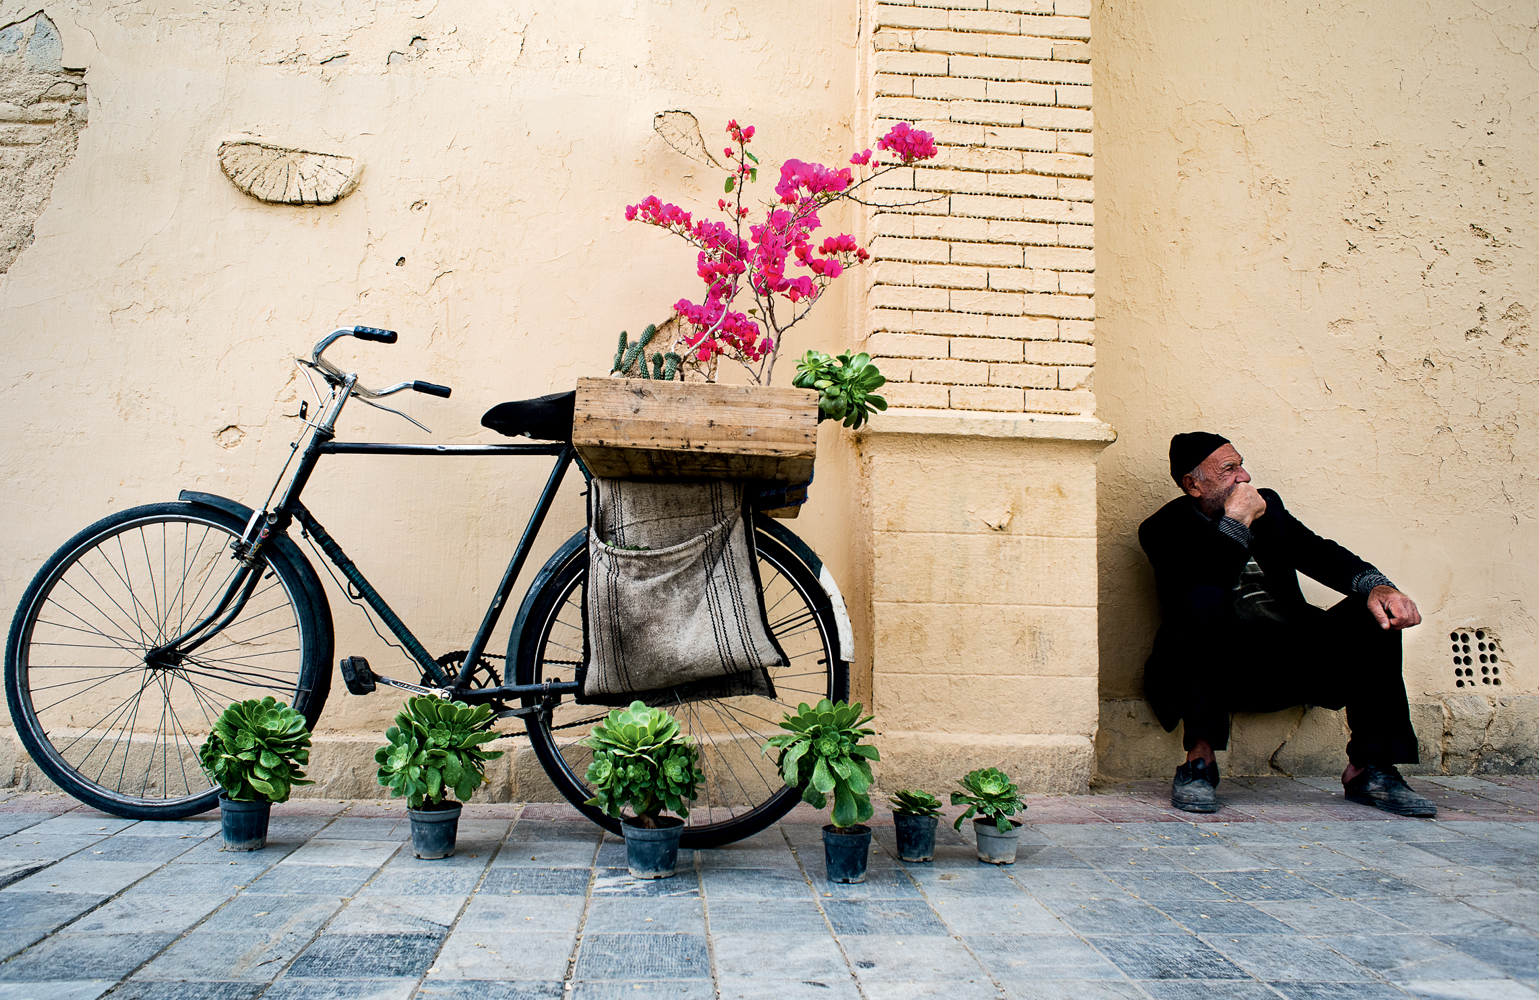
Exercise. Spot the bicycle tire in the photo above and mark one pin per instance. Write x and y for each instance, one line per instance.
(743, 793)
(114, 732)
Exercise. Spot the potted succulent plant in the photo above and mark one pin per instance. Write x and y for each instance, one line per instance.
(253, 753)
(822, 755)
(991, 794)
(432, 752)
(642, 760)
(915, 815)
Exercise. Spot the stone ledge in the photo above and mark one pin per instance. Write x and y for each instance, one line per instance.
(1038, 763)
(958, 423)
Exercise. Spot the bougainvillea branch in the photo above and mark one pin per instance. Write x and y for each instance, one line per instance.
(776, 264)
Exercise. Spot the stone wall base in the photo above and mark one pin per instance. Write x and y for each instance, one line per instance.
(934, 761)
(1459, 734)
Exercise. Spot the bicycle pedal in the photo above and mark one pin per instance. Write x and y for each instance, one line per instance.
(357, 675)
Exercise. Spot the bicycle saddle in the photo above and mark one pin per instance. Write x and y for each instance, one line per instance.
(544, 418)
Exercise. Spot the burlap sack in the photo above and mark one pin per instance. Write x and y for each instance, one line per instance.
(673, 607)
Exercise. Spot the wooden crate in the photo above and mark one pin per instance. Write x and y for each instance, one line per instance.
(646, 429)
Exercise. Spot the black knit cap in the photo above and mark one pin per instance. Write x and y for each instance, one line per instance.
(1187, 451)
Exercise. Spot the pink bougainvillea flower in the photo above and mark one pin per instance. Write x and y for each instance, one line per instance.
(909, 143)
(861, 159)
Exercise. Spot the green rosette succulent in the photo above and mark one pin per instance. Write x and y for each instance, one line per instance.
(822, 755)
(846, 385)
(991, 794)
(912, 802)
(642, 760)
(434, 751)
(255, 750)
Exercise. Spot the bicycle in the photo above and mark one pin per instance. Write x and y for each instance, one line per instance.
(138, 631)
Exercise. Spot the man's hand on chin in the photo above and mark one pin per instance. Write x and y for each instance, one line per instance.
(1244, 504)
(1392, 609)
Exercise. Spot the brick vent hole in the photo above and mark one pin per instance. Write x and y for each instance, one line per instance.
(1477, 658)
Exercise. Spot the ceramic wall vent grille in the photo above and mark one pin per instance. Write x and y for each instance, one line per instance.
(1477, 657)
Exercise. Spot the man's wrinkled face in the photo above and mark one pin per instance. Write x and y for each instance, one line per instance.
(1211, 483)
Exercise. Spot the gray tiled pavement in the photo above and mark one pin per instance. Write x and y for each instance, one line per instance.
(1289, 892)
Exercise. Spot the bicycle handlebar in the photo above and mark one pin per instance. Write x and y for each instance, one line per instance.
(374, 333)
(336, 376)
(431, 389)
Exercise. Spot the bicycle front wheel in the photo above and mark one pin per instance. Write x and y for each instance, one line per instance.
(743, 792)
(122, 734)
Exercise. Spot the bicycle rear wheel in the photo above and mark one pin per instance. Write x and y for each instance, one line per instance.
(119, 733)
(743, 793)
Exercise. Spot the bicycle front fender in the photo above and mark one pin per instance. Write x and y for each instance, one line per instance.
(282, 542)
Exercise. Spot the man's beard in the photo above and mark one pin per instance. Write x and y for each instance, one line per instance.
(1213, 504)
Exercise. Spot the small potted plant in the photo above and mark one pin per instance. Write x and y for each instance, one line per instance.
(433, 752)
(915, 815)
(253, 754)
(991, 794)
(822, 755)
(642, 760)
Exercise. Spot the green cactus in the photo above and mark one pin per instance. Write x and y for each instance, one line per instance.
(631, 358)
(822, 755)
(255, 750)
(434, 750)
(641, 759)
(915, 803)
(845, 385)
(991, 794)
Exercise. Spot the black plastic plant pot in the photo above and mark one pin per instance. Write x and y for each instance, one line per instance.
(994, 847)
(434, 829)
(653, 853)
(244, 824)
(845, 852)
(916, 836)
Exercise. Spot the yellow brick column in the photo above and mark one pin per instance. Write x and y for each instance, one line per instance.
(978, 487)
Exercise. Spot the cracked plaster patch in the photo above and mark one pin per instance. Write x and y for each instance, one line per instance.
(283, 176)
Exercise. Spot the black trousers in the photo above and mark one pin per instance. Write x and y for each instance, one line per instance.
(1339, 658)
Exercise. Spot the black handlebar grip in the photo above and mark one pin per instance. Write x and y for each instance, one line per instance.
(431, 389)
(375, 334)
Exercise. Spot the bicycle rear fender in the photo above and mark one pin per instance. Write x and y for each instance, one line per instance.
(844, 632)
(283, 542)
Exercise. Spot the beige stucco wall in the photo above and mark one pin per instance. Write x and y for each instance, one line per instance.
(146, 335)
(1316, 234)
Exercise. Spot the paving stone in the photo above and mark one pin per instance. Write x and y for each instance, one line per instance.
(1135, 858)
(180, 879)
(226, 955)
(630, 957)
(1022, 915)
(14, 821)
(1267, 885)
(877, 957)
(733, 856)
(1066, 884)
(790, 916)
(1402, 957)
(83, 956)
(1521, 909)
(1456, 881)
(31, 846)
(43, 910)
(884, 916)
(392, 881)
(891, 884)
(778, 956)
(1363, 885)
(1166, 956)
(1111, 916)
(620, 882)
(841, 987)
(1390, 855)
(1338, 991)
(1085, 990)
(448, 989)
(20, 939)
(187, 991)
(55, 990)
(537, 881)
(301, 915)
(212, 852)
(970, 989)
(81, 825)
(980, 881)
(754, 883)
(342, 989)
(397, 828)
(126, 847)
(368, 853)
(366, 956)
(1089, 835)
(1515, 952)
(398, 915)
(1173, 834)
(1502, 989)
(79, 876)
(137, 913)
(536, 914)
(677, 989)
(1207, 989)
(476, 953)
(1219, 917)
(1286, 958)
(624, 915)
(1473, 851)
(192, 829)
(311, 880)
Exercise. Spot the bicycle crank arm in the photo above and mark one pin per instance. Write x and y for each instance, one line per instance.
(443, 693)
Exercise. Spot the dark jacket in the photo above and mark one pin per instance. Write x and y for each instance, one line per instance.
(1196, 567)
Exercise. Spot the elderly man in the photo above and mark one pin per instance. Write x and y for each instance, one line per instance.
(1238, 635)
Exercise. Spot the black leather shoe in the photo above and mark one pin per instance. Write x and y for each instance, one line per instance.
(1381, 786)
(1195, 789)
